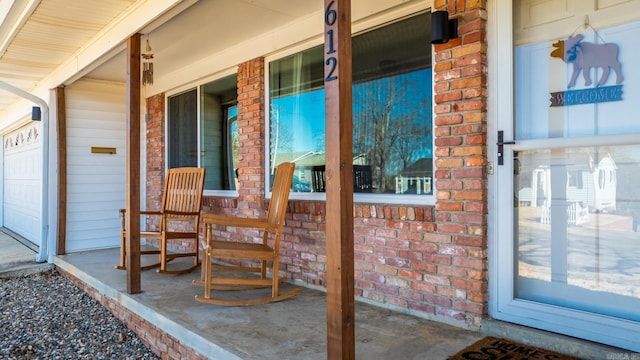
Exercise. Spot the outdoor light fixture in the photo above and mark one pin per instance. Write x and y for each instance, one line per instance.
(36, 113)
(442, 28)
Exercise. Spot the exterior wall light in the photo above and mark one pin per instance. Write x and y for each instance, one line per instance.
(36, 113)
(443, 29)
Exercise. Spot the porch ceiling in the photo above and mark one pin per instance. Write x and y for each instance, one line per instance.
(38, 38)
(209, 27)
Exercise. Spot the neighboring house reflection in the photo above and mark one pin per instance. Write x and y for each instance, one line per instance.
(416, 178)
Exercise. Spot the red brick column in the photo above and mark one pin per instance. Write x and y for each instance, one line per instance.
(155, 151)
(460, 86)
(251, 125)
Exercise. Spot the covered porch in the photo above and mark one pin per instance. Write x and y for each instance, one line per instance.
(166, 316)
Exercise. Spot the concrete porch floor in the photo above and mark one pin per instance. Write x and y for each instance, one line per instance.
(291, 329)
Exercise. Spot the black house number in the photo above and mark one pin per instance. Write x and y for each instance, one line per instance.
(330, 17)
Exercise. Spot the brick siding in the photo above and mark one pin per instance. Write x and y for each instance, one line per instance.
(429, 260)
(159, 342)
(460, 87)
(155, 151)
(251, 141)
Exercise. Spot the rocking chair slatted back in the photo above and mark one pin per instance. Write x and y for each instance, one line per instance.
(181, 196)
(280, 195)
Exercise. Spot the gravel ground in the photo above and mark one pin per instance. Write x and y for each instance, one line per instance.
(45, 316)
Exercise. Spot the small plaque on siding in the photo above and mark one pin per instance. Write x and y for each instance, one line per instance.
(103, 150)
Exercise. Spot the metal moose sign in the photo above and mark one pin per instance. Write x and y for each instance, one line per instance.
(586, 56)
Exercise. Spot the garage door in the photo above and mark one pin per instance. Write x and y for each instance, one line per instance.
(22, 171)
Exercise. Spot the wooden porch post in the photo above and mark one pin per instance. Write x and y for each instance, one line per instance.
(339, 165)
(133, 165)
(61, 117)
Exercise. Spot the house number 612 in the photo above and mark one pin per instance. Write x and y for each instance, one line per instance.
(330, 17)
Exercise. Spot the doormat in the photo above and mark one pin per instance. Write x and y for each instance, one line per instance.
(491, 348)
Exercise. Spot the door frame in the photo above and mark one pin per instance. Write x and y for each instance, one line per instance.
(501, 251)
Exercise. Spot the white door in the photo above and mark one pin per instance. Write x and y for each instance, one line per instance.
(566, 250)
(22, 175)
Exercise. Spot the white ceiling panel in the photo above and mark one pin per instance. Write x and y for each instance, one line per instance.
(49, 35)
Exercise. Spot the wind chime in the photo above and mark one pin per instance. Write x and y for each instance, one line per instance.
(147, 66)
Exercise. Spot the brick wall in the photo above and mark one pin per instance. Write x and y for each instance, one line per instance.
(162, 344)
(155, 151)
(251, 140)
(426, 259)
(460, 86)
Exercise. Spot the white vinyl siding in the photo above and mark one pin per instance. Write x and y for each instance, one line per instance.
(96, 117)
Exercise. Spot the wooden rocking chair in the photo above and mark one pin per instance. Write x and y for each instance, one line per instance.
(181, 205)
(260, 252)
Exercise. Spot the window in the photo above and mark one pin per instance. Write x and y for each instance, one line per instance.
(392, 112)
(208, 138)
(182, 131)
(575, 179)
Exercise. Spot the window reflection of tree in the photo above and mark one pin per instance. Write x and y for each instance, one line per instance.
(391, 125)
(281, 138)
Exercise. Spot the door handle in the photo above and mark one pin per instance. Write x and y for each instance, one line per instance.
(501, 144)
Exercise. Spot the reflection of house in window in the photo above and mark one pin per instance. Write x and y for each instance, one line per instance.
(605, 195)
(590, 187)
(416, 178)
(310, 172)
(361, 179)
(575, 179)
(305, 161)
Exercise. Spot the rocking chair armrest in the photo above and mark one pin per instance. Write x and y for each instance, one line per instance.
(123, 212)
(214, 219)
